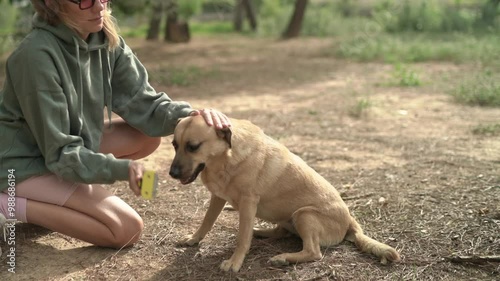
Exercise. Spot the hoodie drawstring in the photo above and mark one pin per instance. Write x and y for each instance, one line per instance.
(80, 84)
(104, 54)
(107, 82)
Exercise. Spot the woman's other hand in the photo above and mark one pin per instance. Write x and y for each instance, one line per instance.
(135, 172)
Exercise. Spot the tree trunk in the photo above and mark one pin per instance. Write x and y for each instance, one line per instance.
(238, 16)
(154, 23)
(247, 4)
(295, 25)
(176, 31)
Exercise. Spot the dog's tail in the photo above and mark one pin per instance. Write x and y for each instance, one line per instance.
(369, 245)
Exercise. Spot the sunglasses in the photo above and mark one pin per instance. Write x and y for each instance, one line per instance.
(87, 4)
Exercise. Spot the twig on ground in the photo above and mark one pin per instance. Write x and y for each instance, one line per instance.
(473, 259)
(358, 196)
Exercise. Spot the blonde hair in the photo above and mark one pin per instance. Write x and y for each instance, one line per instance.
(54, 13)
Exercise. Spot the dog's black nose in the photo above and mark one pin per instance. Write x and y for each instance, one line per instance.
(175, 172)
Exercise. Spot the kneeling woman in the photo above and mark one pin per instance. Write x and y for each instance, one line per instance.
(69, 71)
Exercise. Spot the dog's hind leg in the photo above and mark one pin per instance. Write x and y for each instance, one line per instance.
(308, 225)
(277, 232)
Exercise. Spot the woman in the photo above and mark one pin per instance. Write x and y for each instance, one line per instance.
(57, 144)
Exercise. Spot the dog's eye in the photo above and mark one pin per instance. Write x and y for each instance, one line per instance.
(174, 143)
(192, 147)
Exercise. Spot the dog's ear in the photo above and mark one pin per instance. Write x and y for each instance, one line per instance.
(225, 134)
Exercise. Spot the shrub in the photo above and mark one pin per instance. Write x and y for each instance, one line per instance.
(482, 90)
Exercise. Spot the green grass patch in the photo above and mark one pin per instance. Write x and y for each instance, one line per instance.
(211, 27)
(420, 47)
(404, 76)
(482, 90)
(487, 129)
(359, 108)
(135, 32)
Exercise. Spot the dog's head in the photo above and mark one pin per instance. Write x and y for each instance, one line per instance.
(195, 143)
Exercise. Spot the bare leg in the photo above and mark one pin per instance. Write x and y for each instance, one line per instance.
(92, 213)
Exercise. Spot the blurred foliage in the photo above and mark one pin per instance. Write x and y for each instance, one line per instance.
(15, 22)
(355, 21)
(8, 15)
(321, 20)
(218, 6)
(131, 7)
(188, 8)
(273, 17)
(436, 15)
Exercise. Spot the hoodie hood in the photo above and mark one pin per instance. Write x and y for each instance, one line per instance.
(96, 42)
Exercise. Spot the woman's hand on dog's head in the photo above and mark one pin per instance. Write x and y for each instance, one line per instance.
(213, 117)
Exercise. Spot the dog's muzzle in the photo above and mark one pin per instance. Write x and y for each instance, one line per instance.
(176, 173)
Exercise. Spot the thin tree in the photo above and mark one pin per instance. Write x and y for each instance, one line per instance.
(247, 7)
(238, 16)
(295, 24)
(154, 23)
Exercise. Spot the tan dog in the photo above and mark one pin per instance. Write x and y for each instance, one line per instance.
(261, 178)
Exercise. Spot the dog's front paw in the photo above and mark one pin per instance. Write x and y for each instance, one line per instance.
(230, 264)
(279, 260)
(189, 240)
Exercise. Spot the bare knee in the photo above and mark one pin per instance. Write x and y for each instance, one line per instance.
(129, 232)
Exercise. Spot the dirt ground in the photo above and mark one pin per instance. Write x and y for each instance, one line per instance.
(413, 147)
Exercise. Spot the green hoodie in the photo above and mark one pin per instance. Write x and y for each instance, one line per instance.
(52, 105)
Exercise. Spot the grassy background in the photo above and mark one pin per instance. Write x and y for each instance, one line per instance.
(398, 32)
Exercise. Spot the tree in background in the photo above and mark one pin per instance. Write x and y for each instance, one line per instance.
(176, 14)
(176, 30)
(157, 11)
(247, 7)
(295, 24)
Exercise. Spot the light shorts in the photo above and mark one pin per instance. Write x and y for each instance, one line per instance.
(47, 188)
